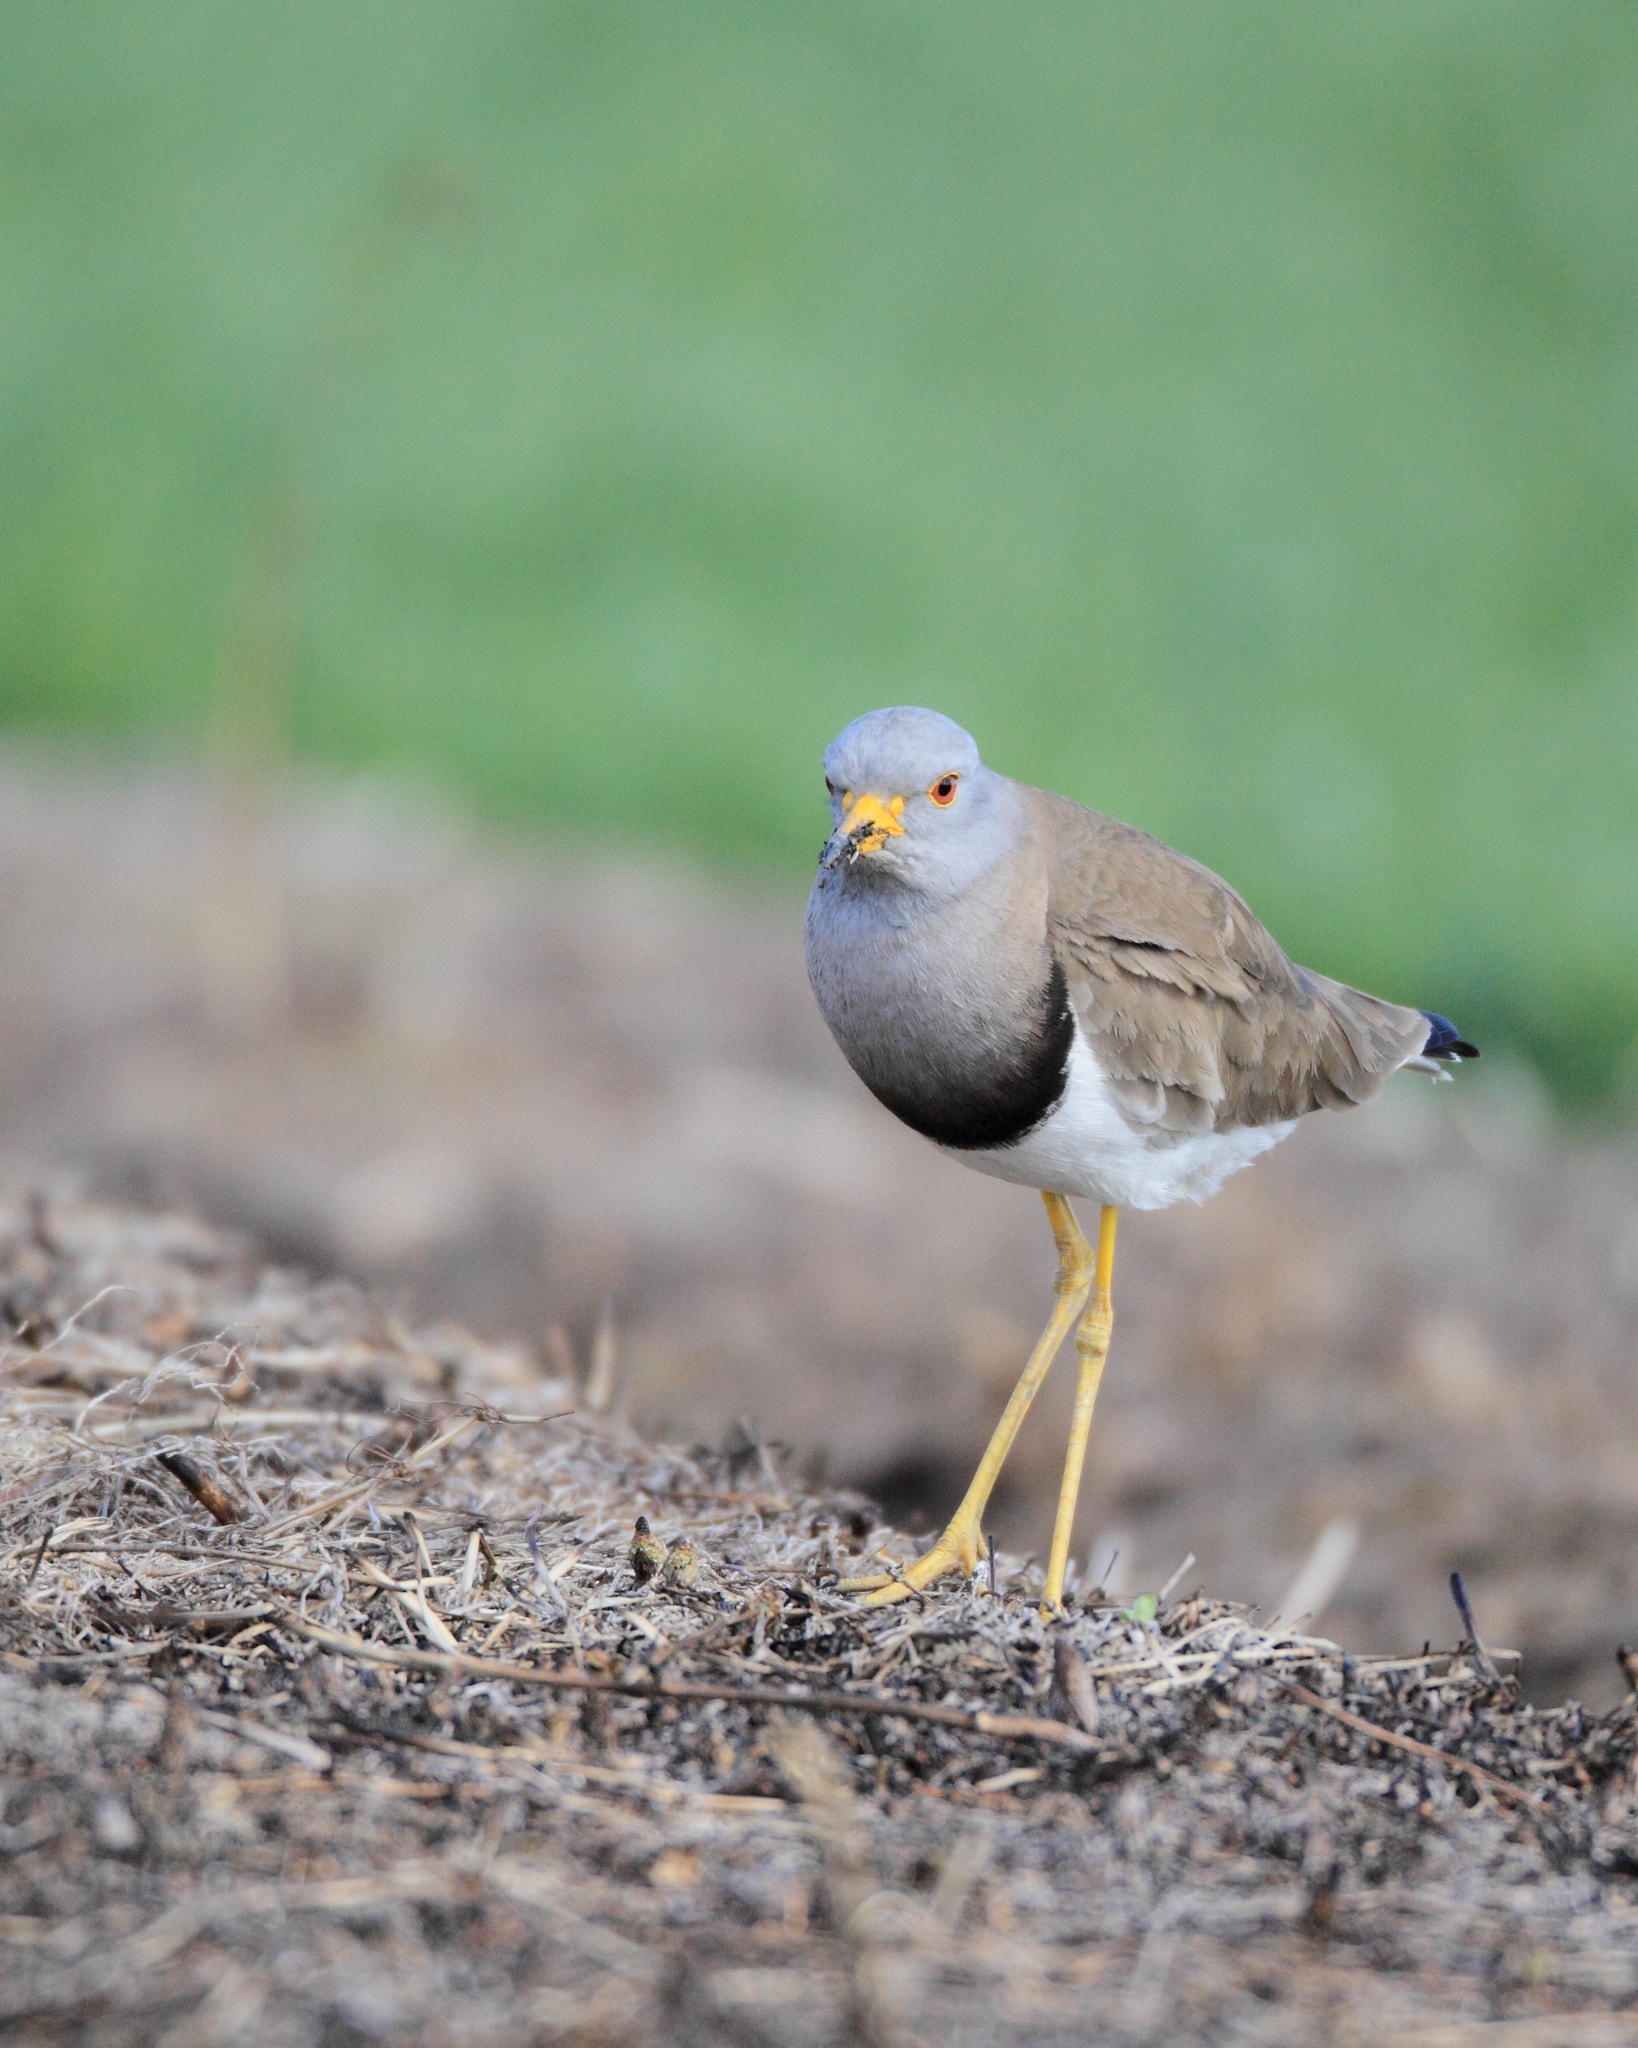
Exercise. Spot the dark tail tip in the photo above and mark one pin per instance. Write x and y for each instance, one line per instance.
(1445, 1042)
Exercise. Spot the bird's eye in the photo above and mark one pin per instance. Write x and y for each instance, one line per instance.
(943, 791)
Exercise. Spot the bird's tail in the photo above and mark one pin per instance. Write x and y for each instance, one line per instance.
(1445, 1047)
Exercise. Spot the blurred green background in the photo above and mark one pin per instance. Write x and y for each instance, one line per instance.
(1230, 412)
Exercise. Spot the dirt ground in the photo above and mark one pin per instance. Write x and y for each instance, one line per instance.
(336, 1707)
(530, 1092)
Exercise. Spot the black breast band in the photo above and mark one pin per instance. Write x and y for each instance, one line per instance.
(1004, 1104)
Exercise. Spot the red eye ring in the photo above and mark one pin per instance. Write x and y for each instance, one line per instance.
(944, 790)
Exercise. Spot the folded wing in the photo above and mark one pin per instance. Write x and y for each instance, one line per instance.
(1196, 1016)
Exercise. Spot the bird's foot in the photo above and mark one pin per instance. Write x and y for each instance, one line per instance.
(957, 1550)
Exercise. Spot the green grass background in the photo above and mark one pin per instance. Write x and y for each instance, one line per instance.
(1229, 411)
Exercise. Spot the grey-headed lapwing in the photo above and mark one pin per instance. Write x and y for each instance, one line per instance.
(1061, 1000)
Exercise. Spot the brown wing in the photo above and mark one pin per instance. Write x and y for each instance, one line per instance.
(1196, 1016)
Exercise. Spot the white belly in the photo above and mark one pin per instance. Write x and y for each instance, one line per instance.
(1087, 1148)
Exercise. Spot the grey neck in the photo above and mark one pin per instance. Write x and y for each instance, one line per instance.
(940, 986)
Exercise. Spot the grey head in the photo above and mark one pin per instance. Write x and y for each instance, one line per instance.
(912, 805)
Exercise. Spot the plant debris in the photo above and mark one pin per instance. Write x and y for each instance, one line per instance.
(337, 1702)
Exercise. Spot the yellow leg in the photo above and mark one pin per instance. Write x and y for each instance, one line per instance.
(959, 1548)
(1092, 1343)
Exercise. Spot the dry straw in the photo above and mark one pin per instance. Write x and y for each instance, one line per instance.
(275, 1571)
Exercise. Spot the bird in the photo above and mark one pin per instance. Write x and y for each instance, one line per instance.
(1063, 1001)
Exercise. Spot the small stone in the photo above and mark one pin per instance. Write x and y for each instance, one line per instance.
(674, 1870)
(112, 1825)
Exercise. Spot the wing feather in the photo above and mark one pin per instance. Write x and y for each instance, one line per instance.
(1198, 1019)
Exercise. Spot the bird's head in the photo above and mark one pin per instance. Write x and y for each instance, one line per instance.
(907, 796)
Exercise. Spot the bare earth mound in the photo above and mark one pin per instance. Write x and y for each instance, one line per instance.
(333, 1711)
(505, 1088)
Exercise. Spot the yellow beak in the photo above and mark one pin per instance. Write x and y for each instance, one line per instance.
(869, 824)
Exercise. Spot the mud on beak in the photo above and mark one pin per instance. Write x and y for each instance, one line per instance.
(867, 825)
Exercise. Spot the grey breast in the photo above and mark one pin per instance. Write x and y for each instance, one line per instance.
(954, 1011)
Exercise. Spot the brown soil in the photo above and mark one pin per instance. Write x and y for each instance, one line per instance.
(506, 1087)
(332, 1710)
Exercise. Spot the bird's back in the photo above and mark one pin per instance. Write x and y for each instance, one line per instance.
(1195, 1015)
